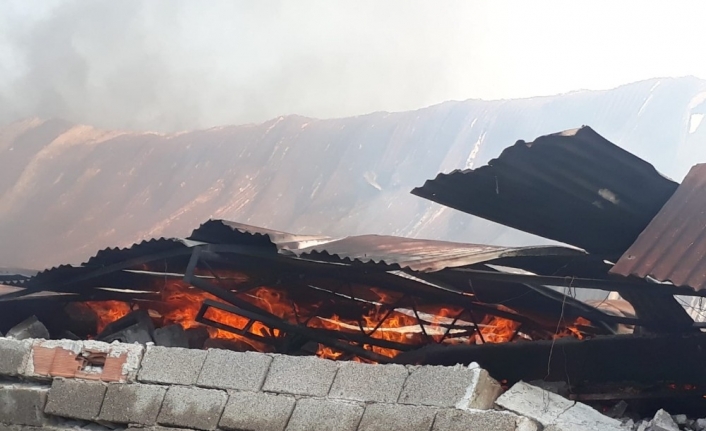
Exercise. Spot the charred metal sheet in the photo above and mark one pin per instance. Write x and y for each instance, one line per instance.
(105, 269)
(137, 256)
(575, 187)
(15, 276)
(673, 246)
(158, 246)
(420, 255)
(229, 232)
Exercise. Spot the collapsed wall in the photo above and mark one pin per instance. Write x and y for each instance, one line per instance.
(92, 385)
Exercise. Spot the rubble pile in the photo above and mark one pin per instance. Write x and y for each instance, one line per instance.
(663, 421)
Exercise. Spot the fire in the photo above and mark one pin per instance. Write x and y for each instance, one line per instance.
(108, 311)
(328, 353)
(184, 303)
(573, 329)
(497, 330)
(180, 304)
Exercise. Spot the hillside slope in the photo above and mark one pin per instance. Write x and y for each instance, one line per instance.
(67, 190)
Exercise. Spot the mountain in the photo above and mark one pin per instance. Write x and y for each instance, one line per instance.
(67, 190)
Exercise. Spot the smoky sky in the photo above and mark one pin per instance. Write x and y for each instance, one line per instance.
(173, 65)
(169, 65)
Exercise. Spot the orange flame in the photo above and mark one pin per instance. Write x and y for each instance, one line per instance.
(108, 311)
(180, 304)
(497, 330)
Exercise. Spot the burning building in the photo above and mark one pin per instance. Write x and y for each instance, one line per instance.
(629, 232)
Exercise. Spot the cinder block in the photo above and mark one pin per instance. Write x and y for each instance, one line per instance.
(313, 414)
(154, 428)
(22, 404)
(171, 365)
(243, 371)
(257, 411)
(300, 375)
(474, 420)
(365, 382)
(188, 407)
(136, 404)
(29, 328)
(75, 399)
(62, 427)
(457, 386)
(396, 417)
(14, 354)
(548, 409)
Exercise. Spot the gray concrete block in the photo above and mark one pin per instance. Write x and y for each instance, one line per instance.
(257, 412)
(14, 354)
(243, 371)
(527, 424)
(62, 427)
(154, 428)
(300, 375)
(548, 409)
(23, 404)
(475, 420)
(171, 365)
(136, 404)
(396, 417)
(456, 386)
(187, 407)
(28, 328)
(365, 382)
(663, 421)
(482, 392)
(312, 414)
(77, 399)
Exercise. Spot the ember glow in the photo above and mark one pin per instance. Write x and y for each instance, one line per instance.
(180, 304)
(497, 330)
(108, 311)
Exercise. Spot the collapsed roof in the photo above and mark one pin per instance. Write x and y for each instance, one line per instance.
(575, 187)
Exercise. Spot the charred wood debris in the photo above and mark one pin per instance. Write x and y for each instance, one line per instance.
(606, 318)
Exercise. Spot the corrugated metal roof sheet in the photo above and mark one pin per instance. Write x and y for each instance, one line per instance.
(62, 275)
(575, 187)
(15, 276)
(673, 246)
(420, 254)
(230, 232)
(110, 256)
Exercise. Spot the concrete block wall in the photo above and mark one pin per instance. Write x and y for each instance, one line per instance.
(161, 388)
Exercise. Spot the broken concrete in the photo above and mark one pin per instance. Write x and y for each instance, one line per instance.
(29, 328)
(258, 392)
(91, 360)
(662, 421)
(548, 409)
(14, 354)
